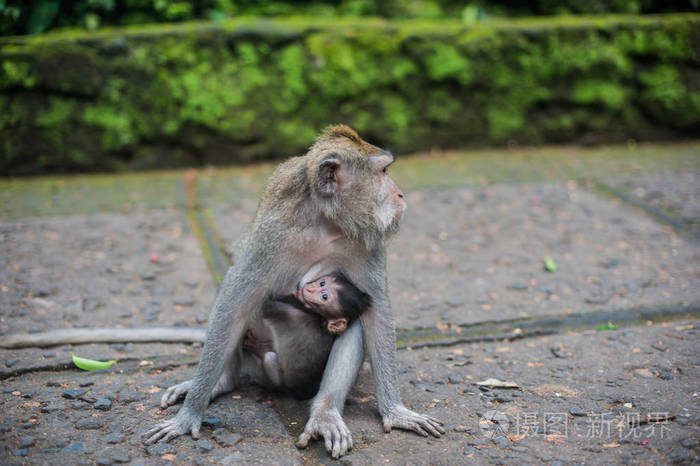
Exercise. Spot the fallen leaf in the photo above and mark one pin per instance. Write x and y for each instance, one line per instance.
(495, 383)
(549, 264)
(460, 363)
(90, 364)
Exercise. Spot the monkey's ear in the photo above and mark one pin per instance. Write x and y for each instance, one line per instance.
(337, 325)
(329, 178)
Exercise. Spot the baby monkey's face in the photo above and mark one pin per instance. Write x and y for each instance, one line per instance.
(323, 297)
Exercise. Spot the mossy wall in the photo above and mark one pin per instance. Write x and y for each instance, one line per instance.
(249, 89)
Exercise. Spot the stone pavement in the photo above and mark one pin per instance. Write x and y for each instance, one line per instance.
(604, 351)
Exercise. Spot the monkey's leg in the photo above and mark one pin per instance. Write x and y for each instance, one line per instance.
(380, 336)
(272, 368)
(326, 418)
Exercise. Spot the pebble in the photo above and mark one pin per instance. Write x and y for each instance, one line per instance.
(48, 354)
(469, 450)
(160, 449)
(59, 442)
(689, 443)
(225, 438)
(25, 442)
(121, 458)
(73, 393)
(477, 442)
(185, 301)
(88, 423)
(578, 412)
(80, 404)
(130, 397)
(73, 448)
(20, 452)
(148, 276)
(681, 455)
(103, 404)
(235, 458)
(501, 441)
(114, 438)
(660, 347)
(543, 456)
(34, 329)
(11, 362)
(211, 422)
(204, 445)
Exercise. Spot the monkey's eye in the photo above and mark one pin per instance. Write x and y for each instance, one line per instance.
(324, 296)
(323, 283)
(384, 170)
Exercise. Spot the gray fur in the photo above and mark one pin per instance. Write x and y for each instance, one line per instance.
(297, 228)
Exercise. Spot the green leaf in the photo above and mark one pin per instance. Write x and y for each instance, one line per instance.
(90, 364)
(549, 264)
(608, 326)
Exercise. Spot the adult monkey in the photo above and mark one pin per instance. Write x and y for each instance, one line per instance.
(331, 209)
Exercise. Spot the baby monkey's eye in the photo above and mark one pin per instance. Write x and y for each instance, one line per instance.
(323, 283)
(324, 296)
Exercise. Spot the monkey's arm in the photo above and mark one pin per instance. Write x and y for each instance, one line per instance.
(327, 408)
(103, 335)
(380, 339)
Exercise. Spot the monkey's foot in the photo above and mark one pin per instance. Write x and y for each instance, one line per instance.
(173, 393)
(327, 423)
(401, 417)
(181, 424)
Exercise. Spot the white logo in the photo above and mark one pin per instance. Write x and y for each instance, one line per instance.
(493, 423)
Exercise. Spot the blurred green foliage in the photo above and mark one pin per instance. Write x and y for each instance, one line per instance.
(252, 88)
(36, 16)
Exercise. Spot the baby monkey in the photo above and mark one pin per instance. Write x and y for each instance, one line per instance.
(300, 329)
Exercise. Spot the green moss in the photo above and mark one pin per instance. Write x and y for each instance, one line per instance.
(610, 94)
(251, 88)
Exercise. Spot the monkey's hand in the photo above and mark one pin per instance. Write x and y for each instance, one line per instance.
(403, 418)
(181, 424)
(174, 393)
(327, 423)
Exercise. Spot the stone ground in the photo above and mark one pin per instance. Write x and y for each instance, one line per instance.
(604, 351)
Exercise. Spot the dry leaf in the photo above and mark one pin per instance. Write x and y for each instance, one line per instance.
(495, 383)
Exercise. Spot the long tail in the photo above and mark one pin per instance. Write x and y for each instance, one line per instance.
(104, 335)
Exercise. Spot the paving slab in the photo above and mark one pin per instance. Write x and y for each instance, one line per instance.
(75, 417)
(100, 270)
(595, 397)
(467, 255)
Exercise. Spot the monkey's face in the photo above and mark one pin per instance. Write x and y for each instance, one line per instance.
(390, 200)
(322, 297)
(351, 181)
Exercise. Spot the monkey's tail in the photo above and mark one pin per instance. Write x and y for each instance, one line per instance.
(104, 335)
